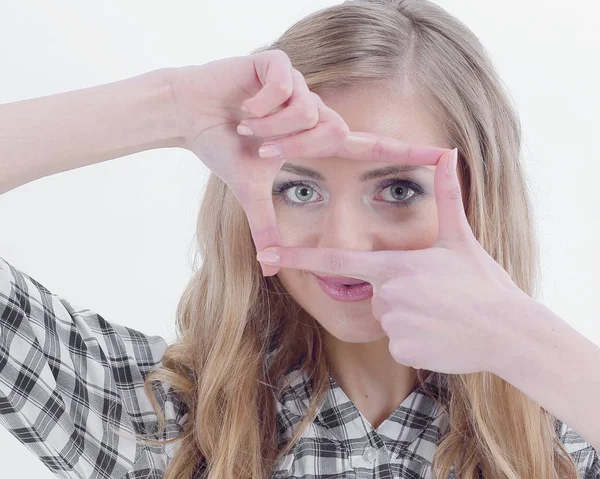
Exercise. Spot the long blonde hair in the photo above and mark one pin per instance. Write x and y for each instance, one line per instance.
(230, 316)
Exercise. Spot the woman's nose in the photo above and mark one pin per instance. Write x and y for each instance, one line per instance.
(345, 226)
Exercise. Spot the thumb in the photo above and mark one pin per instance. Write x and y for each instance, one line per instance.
(262, 221)
(453, 223)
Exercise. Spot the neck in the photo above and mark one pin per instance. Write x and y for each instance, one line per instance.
(369, 375)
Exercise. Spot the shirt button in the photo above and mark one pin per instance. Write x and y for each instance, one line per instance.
(369, 454)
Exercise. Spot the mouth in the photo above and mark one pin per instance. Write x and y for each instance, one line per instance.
(344, 289)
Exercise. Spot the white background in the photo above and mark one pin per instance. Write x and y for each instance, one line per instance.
(115, 237)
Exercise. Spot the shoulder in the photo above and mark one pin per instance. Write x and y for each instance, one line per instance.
(72, 377)
(583, 454)
(26, 303)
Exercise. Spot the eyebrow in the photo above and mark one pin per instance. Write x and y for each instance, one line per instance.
(366, 176)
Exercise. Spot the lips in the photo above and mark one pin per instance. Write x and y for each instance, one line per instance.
(340, 280)
(344, 289)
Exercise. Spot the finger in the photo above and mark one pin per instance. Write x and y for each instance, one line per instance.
(260, 212)
(269, 270)
(374, 267)
(321, 141)
(452, 220)
(274, 70)
(385, 149)
(301, 113)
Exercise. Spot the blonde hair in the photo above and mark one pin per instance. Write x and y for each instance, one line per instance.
(230, 316)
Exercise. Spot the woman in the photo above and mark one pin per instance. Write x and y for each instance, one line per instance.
(289, 372)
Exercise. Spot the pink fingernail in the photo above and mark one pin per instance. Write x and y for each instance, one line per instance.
(267, 257)
(269, 151)
(452, 162)
(244, 130)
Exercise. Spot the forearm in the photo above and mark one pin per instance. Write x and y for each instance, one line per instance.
(557, 367)
(55, 133)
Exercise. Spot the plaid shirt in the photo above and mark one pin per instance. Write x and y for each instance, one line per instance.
(71, 390)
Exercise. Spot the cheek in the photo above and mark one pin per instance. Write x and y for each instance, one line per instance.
(427, 225)
(418, 230)
(292, 280)
(297, 228)
(389, 228)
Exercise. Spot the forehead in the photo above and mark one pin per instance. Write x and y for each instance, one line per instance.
(378, 108)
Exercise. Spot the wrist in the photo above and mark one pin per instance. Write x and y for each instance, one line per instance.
(169, 128)
(520, 321)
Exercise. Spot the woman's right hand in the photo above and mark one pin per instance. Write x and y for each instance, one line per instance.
(208, 99)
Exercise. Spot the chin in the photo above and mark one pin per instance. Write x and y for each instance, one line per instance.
(351, 322)
(351, 328)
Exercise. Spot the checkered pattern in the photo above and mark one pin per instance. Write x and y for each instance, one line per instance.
(341, 443)
(71, 385)
(71, 390)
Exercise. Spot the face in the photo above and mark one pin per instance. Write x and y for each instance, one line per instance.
(340, 203)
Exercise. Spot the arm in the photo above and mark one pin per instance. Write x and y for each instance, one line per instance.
(72, 384)
(43, 136)
(556, 366)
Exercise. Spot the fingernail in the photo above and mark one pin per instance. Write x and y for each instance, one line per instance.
(244, 130)
(269, 151)
(452, 162)
(267, 257)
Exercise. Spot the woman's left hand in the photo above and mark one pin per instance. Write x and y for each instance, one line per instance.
(450, 308)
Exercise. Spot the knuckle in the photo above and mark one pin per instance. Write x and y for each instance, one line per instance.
(341, 131)
(377, 150)
(454, 194)
(282, 90)
(309, 116)
(334, 261)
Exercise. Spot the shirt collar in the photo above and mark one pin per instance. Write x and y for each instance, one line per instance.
(337, 414)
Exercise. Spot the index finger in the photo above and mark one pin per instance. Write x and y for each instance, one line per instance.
(381, 148)
(262, 221)
(274, 70)
(374, 267)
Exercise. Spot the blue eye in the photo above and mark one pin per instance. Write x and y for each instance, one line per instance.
(297, 193)
(302, 193)
(396, 191)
